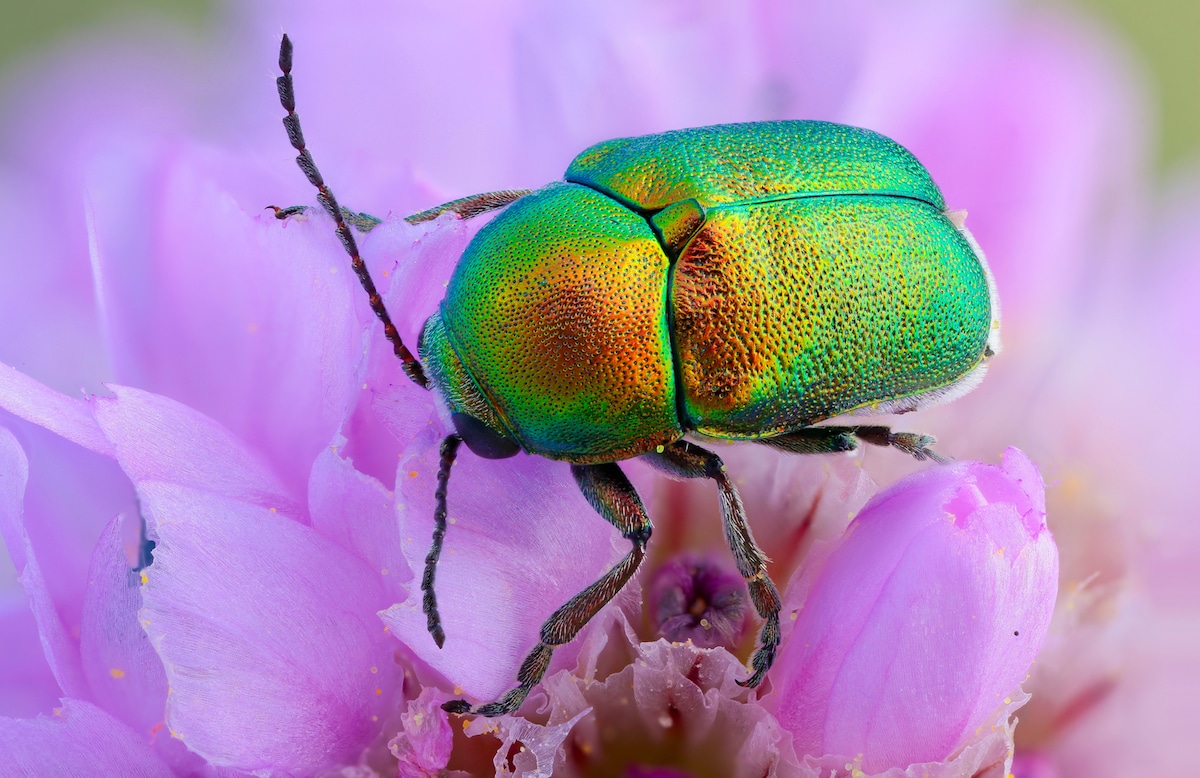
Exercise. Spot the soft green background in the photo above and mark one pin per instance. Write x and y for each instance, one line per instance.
(1165, 34)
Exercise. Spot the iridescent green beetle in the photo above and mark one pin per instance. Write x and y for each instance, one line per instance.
(739, 282)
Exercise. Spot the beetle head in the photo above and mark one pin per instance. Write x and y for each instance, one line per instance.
(474, 418)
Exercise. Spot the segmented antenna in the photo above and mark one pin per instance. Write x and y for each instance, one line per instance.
(291, 122)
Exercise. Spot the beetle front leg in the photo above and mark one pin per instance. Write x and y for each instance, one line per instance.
(363, 222)
(687, 460)
(608, 490)
(830, 440)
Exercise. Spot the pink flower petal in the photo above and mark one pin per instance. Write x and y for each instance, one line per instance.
(125, 674)
(27, 685)
(79, 739)
(159, 439)
(675, 705)
(423, 745)
(268, 633)
(37, 403)
(923, 619)
(245, 318)
(61, 651)
(356, 512)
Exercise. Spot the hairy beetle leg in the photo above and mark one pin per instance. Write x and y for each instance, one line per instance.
(363, 222)
(470, 207)
(687, 460)
(830, 440)
(607, 489)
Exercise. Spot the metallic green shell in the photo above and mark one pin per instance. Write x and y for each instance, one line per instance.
(791, 312)
(741, 281)
(735, 163)
(558, 312)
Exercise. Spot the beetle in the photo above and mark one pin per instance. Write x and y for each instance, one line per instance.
(735, 282)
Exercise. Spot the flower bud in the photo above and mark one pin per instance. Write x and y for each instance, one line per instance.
(923, 619)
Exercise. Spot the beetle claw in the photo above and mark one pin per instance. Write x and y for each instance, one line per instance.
(458, 707)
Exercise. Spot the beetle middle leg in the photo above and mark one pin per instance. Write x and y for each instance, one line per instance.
(687, 460)
(609, 491)
(830, 440)
(470, 207)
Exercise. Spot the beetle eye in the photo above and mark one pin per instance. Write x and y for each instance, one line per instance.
(482, 439)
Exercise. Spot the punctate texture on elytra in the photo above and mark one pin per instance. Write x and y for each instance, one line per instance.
(924, 618)
(743, 281)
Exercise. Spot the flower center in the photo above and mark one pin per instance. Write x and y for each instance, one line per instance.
(701, 599)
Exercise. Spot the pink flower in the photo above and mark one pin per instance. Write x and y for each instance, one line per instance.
(921, 622)
(258, 424)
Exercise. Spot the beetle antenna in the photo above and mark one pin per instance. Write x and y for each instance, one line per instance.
(449, 452)
(291, 122)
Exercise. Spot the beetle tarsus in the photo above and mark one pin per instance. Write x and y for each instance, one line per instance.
(914, 444)
(764, 657)
(831, 440)
(532, 670)
(457, 707)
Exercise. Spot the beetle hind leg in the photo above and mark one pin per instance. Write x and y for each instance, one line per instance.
(609, 491)
(831, 440)
(687, 460)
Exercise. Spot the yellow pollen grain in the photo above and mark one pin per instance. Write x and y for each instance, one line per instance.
(145, 579)
(387, 629)
(58, 711)
(660, 449)
(374, 669)
(412, 473)
(1000, 552)
(117, 672)
(457, 691)
(378, 692)
(1008, 700)
(418, 717)
(374, 718)
(793, 615)
(273, 510)
(384, 571)
(364, 386)
(453, 521)
(705, 623)
(465, 725)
